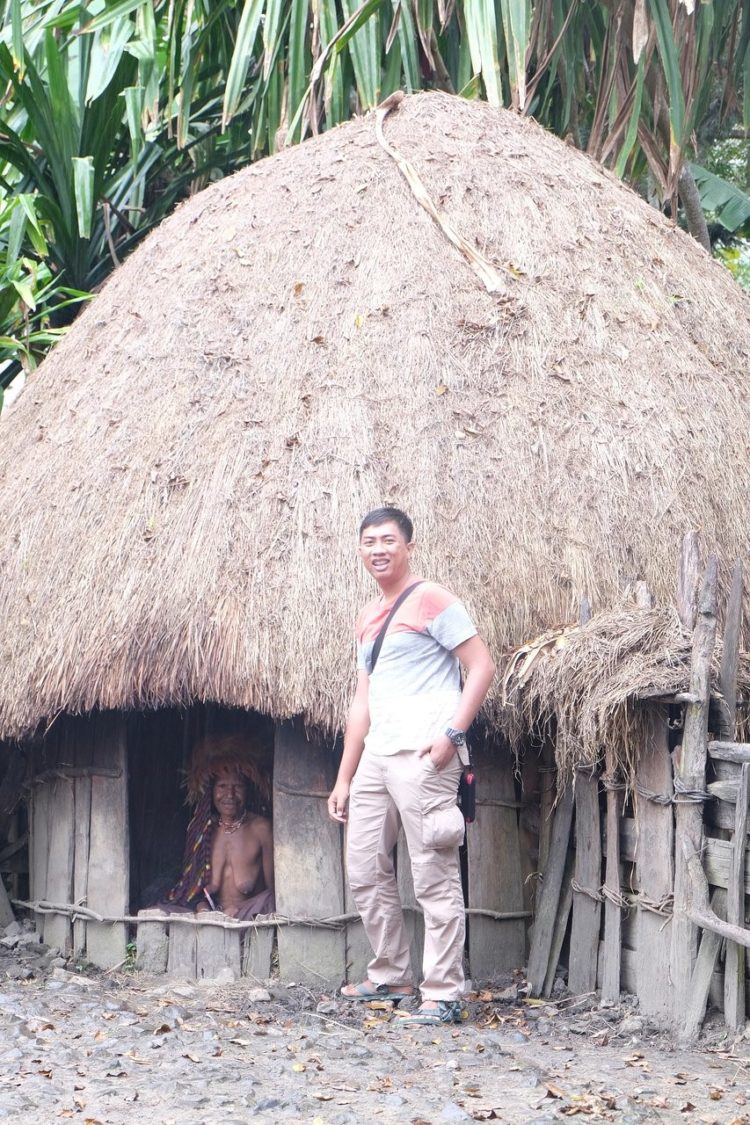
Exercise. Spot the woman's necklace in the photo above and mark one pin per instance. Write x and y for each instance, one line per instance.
(233, 824)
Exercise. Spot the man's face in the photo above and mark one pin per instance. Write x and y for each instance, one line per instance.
(229, 795)
(385, 552)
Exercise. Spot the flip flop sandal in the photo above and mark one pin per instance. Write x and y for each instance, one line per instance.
(380, 992)
(447, 1011)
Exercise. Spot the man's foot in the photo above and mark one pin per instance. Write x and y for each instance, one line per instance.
(432, 1013)
(366, 990)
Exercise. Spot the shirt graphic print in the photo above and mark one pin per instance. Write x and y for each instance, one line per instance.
(416, 684)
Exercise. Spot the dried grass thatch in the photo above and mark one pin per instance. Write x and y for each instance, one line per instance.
(587, 685)
(181, 482)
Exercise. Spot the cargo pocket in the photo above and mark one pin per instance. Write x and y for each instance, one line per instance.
(443, 828)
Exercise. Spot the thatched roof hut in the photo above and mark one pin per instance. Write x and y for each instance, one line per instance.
(181, 481)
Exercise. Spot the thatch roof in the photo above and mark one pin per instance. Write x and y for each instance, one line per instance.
(181, 482)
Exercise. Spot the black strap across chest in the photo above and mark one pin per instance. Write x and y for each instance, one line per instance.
(384, 627)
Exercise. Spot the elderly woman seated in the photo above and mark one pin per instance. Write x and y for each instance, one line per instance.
(228, 863)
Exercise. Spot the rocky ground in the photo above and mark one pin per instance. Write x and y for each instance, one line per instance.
(121, 1047)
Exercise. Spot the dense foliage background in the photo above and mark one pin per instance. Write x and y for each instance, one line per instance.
(112, 110)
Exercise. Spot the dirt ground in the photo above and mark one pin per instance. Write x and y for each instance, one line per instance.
(116, 1048)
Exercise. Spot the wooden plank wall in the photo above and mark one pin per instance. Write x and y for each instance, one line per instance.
(309, 859)
(587, 910)
(78, 813)
(61, 832)
(494, 868)
(654, 859)
(108, 890)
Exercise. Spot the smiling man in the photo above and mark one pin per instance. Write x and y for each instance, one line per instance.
(404, 748)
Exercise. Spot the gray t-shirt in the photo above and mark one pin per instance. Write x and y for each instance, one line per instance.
(416, 684)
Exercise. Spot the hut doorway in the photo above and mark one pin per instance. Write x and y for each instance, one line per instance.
(108, 818)
(161, 747)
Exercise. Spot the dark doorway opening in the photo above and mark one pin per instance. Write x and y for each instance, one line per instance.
(160, 750)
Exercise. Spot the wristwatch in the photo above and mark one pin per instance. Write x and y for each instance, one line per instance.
(457, 737)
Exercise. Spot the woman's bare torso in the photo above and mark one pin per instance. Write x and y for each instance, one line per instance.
(237, 865)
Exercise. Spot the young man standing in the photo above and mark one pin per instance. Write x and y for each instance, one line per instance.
(404, 749)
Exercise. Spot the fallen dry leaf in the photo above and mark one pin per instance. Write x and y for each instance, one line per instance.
(554, 1091)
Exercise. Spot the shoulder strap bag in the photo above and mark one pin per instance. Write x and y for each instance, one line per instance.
(384, 627)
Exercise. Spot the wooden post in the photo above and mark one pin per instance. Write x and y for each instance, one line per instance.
(705, 964)
(494, 862)
(80, 749)
(81, 857)
(307, 858)
(587, 907)
(532, 779)
(734, 966)
(731, 646)
(38, 845)
(216, 950)
(688, 579)
(690, 777)
(109, 853)
(546, 801)
(612, 908)
(564, 907)
(61, 828)
(256, 953)
(152, 943)
(549, 895)
(182, 952)
(654, 859)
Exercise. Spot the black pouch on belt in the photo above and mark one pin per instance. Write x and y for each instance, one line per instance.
(467, 794)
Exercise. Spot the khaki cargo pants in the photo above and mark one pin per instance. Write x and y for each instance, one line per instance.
(404, 788)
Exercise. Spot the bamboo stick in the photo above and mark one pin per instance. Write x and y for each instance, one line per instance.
(734, 964)
(206, 918)
(700, 912)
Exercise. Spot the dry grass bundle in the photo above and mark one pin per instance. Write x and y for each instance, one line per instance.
(181, 482)
(589, 689)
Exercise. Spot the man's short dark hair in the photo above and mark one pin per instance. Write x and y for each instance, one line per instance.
(380, 516)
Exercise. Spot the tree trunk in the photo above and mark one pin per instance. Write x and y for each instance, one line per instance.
(690, 200)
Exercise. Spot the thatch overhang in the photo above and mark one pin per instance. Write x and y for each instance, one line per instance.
(589, 687)
(181, 481)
